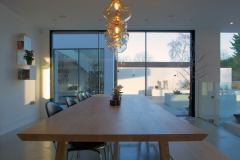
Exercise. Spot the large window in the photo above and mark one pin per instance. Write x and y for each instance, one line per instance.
(153, 64)
(168, 57)
(155, 60)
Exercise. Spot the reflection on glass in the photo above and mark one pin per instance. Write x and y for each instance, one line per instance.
(219, 102)
(89, 71)
(77, 71)
(66, 72)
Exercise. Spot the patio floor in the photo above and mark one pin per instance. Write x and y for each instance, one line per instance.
(160, 100)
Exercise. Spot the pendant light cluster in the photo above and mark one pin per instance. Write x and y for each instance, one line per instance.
(116, 36)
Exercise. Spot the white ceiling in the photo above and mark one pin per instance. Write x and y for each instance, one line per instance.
(86, 14)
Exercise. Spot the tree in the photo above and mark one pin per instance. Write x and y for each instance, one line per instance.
(180, 52)
(234, 61)
(236, 44)
(92, 80)
(180, 48)
(124, 58)
(140, 57)
(224, 54)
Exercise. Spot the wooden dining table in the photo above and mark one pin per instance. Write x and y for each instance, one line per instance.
(94, 120)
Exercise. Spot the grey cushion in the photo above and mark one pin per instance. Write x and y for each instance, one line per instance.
(237, 116)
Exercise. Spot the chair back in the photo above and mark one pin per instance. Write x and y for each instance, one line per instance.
(81, 97)
(70, 102)
(52, 108)
(88, 95)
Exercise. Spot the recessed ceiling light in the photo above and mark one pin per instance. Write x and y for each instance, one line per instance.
(100, 19)
(231, 22)
(146, 19)
(62, 16)
(171, 16)
(54, 20)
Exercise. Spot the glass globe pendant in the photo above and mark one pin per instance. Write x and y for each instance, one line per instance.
(117, 40)
(117, 12)
(116, 36)
(118, 49)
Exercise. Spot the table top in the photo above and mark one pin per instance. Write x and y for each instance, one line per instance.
(94, 120)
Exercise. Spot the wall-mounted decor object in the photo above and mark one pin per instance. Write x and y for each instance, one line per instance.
(25, 57)
(23, 43)
(27, 73)
(29, 57)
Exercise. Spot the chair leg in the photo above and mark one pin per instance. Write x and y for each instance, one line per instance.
(105, 154)
(98, 153)
(78, 155)
(72, 155)
(109, 151)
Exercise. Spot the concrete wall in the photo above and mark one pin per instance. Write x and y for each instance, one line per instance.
(133, 79)
(15, 95)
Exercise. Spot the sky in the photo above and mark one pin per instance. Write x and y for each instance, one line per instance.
(225, 42)
(157, 44)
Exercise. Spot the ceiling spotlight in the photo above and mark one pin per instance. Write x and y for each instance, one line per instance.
(231, 22)
(146, 19)
(62, 16)
(171, 16)
(100, 19)
(54, 20)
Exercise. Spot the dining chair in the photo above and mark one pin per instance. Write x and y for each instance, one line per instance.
(81, 97)
(52, 109)
(88, 95)
(70, 102)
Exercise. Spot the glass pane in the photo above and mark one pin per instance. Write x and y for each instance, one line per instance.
(168, 74)
(106, 58)
(131, 65)
(218, 102)
(66, 74)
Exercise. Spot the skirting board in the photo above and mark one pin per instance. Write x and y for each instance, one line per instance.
(18, 124)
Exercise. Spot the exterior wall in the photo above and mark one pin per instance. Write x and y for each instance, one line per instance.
(15, 95)
(133, 79)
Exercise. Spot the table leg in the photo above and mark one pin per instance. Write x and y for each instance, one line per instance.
(164, 151)
(116, 150)
(61, 153)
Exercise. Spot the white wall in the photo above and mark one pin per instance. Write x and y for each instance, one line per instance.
(15, 95)
(207, 41)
